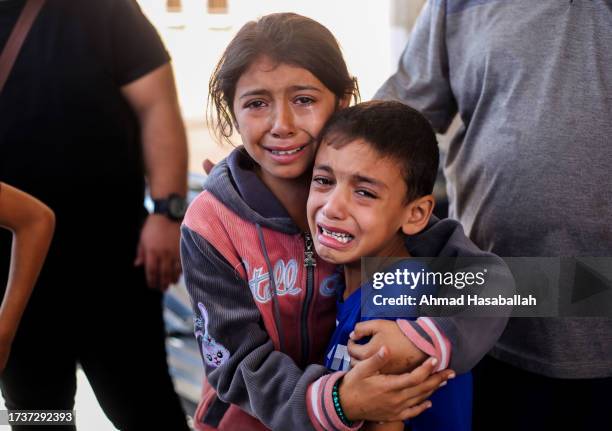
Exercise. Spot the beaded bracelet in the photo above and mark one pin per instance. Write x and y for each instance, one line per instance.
(337, 406)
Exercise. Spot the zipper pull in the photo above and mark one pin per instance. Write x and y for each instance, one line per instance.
(309, 259)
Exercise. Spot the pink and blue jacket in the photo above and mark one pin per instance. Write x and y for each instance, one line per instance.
(265, 308)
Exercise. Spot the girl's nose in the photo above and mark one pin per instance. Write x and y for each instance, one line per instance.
(283, 125)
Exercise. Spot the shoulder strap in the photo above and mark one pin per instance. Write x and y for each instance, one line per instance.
(17, 37)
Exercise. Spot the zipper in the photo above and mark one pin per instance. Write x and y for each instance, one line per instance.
(309, 263)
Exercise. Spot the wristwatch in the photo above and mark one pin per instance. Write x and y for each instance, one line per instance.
(173, 207)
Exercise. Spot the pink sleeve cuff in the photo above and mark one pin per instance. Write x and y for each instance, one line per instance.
(439, 347)
(320, 405)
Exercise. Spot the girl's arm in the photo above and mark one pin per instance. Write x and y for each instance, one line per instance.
(239, 357)
(244, 368)
(32, 224)
(458, 341)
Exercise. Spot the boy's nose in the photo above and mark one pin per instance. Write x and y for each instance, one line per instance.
(283, 125)
(335, 207)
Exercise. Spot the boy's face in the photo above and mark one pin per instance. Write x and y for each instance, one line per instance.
(356, 206)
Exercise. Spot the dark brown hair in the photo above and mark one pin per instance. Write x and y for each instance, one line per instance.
(393, 130)
(284, 38)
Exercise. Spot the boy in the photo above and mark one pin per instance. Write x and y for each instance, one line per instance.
(371, 189)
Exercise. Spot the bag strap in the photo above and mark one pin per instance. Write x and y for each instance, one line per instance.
(15, 41)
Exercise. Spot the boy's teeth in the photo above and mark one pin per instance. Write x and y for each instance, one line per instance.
(341, 237)
(285, 153)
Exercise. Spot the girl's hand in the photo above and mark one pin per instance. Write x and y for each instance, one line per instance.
(365, 394)
(404, 356)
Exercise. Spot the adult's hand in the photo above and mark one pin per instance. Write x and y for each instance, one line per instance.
(403, 354)
(365, 394)
(158, 251)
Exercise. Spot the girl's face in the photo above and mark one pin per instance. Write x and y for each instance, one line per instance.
(280, 109)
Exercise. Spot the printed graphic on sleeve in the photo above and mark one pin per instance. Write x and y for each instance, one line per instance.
(214, 353)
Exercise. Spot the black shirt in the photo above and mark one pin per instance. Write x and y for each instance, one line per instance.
(67, 136)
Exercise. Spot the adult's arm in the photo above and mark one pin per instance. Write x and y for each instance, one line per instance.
(422, 77)
(153, 98)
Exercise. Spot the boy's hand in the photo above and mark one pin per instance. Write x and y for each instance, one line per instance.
(365, 394)
(403, 354)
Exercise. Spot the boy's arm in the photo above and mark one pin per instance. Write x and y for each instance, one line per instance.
(32, 224)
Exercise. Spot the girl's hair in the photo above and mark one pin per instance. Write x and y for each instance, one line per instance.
(284, 38)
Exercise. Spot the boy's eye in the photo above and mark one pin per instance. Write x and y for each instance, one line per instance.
(304, 100)
(255, 104)
(322, 181)
(366, 194)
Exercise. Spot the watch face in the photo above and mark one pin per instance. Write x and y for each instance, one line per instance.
(177, 206)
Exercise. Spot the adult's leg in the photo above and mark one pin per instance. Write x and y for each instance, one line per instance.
(124, 355)
(588, 400)
(40, 374)
(508, 398)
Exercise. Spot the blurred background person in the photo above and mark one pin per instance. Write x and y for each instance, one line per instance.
(528, 175)
(31, 223)
(88, 110)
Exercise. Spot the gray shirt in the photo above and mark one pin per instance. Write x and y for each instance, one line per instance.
(529, 172)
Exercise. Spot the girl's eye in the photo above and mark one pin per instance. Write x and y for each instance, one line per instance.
(365, 194)
(255, 104)
(304, 100)
(322, 181)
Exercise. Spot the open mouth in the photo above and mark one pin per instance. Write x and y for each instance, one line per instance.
(342, 237)
(287, 152)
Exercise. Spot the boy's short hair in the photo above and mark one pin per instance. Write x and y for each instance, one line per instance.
(393, 130)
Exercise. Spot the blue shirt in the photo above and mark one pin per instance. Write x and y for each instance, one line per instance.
(451, 404)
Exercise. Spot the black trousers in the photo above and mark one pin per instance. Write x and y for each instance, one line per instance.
(111, 323)
(508, 398)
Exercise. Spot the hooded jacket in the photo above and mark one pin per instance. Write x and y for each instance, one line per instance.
(265, 307)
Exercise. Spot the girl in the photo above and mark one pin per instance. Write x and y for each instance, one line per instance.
(32, 224)
(265, 304)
